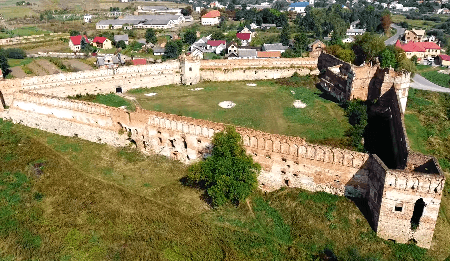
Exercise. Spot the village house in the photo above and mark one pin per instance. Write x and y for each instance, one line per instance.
(348, 39)
(87, 18)
(232, 47)
(276, 47)
(246, 30)
(414, 35)
(268, 26)
(216, 46)
(102, 42)
(425, 50)
(121, 37)
(166, 21)
(247, 53)
(298, 7)
(75, 42)
(443, 60)
(110, 61)
(197, 52)
(158, 50)
(245, 38)
(211, 18)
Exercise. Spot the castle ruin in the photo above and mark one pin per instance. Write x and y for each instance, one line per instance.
(403, 196)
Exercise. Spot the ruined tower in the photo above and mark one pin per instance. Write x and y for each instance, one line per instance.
(405, 203)
(190, 70)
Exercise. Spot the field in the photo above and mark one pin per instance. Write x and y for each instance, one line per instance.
(23, 31)
(417, 24)
(432, 74)
(267, 107)
(64, 198)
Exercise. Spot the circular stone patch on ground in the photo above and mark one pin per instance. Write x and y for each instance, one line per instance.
(150, 94)
(299, 104)
(227, 104)
(251, 84)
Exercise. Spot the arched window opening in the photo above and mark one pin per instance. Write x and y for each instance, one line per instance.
(417, 214)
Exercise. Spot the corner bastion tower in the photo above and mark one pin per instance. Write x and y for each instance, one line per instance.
(404, 188)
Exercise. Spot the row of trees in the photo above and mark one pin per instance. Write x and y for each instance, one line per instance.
(369, 48)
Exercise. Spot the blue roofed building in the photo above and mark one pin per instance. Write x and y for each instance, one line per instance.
(299, 7)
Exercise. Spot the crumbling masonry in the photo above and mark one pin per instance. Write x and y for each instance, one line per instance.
(395, 195)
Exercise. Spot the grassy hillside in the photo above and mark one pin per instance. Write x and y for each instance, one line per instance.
(67, 199)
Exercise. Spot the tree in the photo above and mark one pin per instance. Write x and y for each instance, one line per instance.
(186, 11)
(414, 59)
(367, 47)
(387, 59)
(229, 174)
(280, 5)
(285, 35)
(172, 50)
(346, 55)
(4, 66)
(217, 35)
(386, 23)
(189, 37)
(356, 112)
(121, 44)
(300, 43)
(150, 36)
(74, 33)
(203, 12)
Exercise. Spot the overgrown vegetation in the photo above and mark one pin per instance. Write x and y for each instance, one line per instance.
(64, 198)
(229, 174)
(356, 111)
(440, 79)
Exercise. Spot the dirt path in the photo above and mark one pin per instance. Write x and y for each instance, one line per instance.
(77, 65)
(48, 66)
(18, 72)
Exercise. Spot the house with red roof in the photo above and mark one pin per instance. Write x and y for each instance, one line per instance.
(443, 60)
(420, 49)
(245, 38)
(139, 62)
(216, 46)
(75, 42)
(211, 18)
(102, 42)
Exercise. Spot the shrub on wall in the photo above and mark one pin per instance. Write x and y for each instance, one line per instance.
(356, 112)
(229, 174)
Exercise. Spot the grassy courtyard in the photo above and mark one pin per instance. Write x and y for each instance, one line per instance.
(268, 106)
(64, 198)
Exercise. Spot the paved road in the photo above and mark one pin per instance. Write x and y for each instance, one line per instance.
(393, 39)
(423, 84)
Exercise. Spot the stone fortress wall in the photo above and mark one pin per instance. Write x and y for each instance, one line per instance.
(39, 102)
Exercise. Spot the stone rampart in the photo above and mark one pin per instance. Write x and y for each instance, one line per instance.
(287, 161)
(251, 74)
(258, 63)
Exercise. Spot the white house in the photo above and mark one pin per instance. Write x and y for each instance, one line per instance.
(211, 18)
(299, 7)
(87, 18)
(75, 42)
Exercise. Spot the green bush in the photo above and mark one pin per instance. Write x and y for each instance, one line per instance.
(229, 174)
(356, 112)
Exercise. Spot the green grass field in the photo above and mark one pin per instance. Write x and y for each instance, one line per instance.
(427, 124)
(440, 79)
(64, 198)
(417, 24)
(267, 107)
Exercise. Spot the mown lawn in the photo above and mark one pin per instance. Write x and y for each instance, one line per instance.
(110, 99)
(64, 198)
(267, 106)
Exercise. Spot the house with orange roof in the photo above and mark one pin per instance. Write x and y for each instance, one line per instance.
(443, 60)
(211, 18)
(420, 49)
(75, 42)
(102, 42)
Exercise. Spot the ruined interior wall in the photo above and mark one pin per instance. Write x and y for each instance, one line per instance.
(337, 85)
(377, 176)
(363, 81)
(251, 74)
(404, 188)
